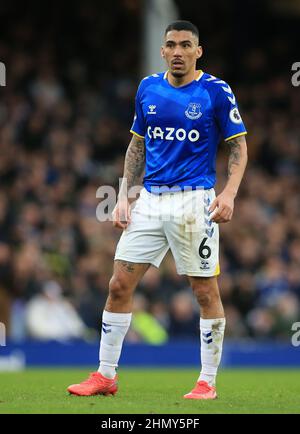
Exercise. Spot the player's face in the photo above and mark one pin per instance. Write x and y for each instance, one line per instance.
(181, 51)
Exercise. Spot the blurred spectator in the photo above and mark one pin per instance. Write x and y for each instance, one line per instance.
(49, 316)
(144, 326)
(272, 282)
(184, 316)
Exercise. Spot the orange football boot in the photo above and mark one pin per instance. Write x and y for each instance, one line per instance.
(96, 384)
(202, 390)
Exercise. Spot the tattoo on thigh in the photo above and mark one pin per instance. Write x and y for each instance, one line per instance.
(129, 266)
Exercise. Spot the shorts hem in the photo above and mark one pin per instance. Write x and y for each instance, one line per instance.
(135, 260)
(197, 274)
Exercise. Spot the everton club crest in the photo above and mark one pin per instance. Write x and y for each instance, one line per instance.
(193, 111)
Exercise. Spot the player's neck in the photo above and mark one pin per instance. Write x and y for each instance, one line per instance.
(182, 81)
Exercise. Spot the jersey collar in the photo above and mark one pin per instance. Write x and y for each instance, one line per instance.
(196, 79)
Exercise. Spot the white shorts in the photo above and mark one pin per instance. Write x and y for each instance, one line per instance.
(178, 221)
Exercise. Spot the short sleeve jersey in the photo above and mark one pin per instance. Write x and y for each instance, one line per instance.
(182, 127)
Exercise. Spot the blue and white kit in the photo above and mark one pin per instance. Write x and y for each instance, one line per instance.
(181, 127)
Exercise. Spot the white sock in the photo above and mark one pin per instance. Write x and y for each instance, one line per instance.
(114, 329)
(211, 337)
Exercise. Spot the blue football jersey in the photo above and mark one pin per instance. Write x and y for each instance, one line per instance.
(182, 127)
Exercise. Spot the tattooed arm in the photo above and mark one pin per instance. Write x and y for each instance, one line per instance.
(237, 163)
(134, 164)
(133, 169)
(224, 203)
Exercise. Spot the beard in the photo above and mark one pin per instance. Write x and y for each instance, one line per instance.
(177, 74)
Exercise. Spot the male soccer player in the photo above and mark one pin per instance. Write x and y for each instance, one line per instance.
(181, 115)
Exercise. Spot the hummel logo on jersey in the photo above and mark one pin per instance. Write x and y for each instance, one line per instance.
(152, 110)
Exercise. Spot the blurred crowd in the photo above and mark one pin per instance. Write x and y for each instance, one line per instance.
(65, 116)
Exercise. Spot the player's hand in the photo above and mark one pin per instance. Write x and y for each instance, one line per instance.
(121, 214)
(222, 208)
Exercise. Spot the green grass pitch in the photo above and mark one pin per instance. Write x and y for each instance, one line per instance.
(152, 391)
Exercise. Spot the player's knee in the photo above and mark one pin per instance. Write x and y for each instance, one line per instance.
(204, 294)
(119, 289)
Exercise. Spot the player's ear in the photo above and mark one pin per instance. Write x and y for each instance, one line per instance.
(199, 52)
(162, 51)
